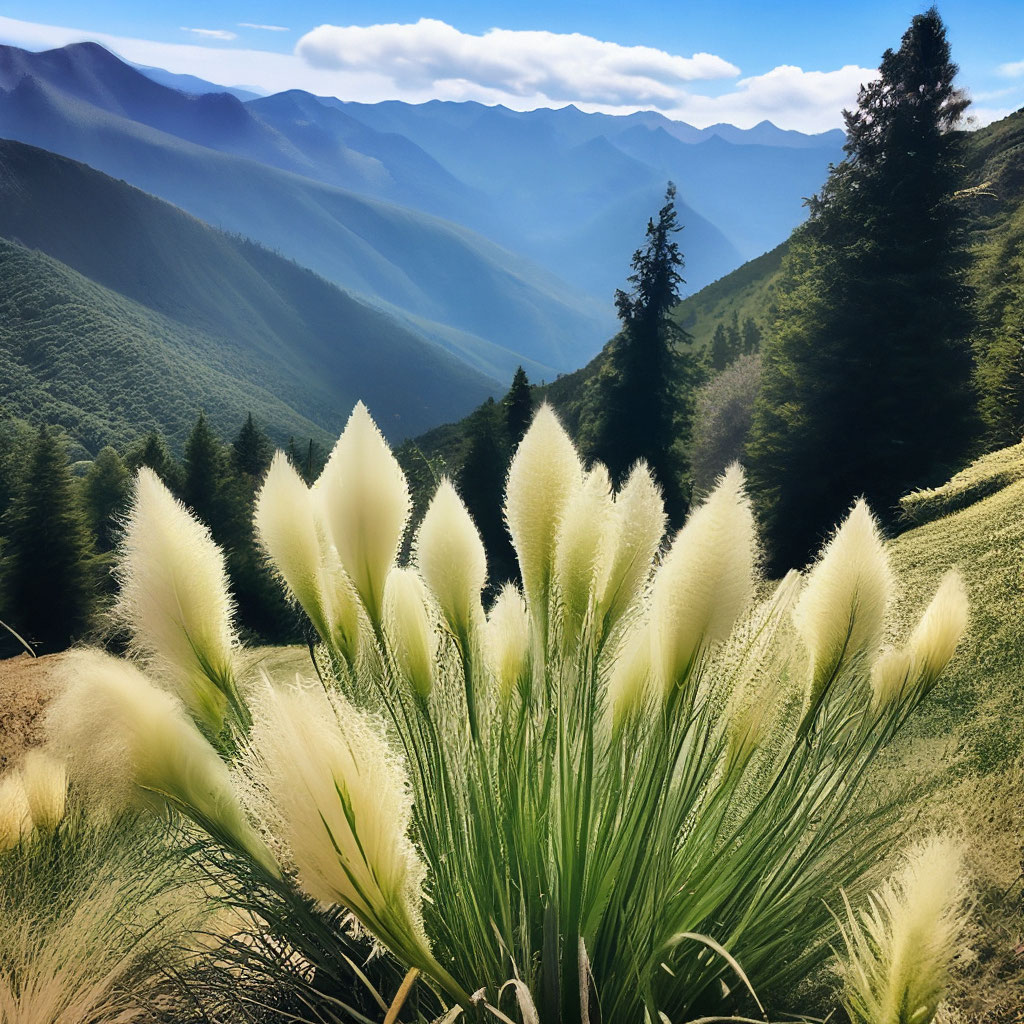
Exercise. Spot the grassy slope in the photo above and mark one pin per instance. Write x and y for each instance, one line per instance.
(968, 738)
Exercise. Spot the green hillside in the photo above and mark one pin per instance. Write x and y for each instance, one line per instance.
(203, 306)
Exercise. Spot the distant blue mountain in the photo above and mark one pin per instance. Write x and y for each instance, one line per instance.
(192, 84)
(500, 234)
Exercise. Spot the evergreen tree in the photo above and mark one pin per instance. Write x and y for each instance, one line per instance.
(720, 355)
(252, 450)
(48, 575)
(106, 490)
(751, 337)
(646, 384)
(152, 451)
(866, 380)
(518, 405)
(16, 441)
(481, 484)
(735, 337)
(204, 484)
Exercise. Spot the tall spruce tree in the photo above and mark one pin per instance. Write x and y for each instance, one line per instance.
(647, 382)
(105, 491)
(867, 369)
(252, 450)
(48, 562)
(204, 484)
(152, 451)
(518, 405)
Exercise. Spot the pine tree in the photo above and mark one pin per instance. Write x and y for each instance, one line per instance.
(735, 337)
(647, 382)
(518, 405)
(105, 491)
(867, 369)
(720, 348)
(152, 451)
(751, 337)
(252, 450)
(48, 562)
(481, 483)
(203, 486)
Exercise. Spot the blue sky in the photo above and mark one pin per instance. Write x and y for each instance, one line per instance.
(794, 62)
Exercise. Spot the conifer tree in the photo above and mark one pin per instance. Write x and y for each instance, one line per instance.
(720, 355)
(735, 337)
(647, 382)
(105, 491)
(518, 405)
(867, 369)
(252, 450)
(205, 487)
(152, 451)
(48, 561)
(751, 337)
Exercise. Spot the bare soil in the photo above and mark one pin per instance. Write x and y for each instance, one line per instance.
(27, 685)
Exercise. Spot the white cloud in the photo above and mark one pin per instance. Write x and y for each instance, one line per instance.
(561, 67)
(264, 28)
(1012, 70)
(211, 33)
(790, 97)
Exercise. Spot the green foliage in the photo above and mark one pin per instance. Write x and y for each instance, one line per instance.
(518, 405)
(723, 413)
(49, 586)
(252, 450)
(873, 312)
(645, 401)
(105, 492)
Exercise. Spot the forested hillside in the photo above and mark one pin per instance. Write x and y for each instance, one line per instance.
(139, 315)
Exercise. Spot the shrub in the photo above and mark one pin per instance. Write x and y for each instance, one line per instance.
(631, 786)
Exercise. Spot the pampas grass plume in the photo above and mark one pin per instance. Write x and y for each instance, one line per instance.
(451, 558)
(841, 613)
(508, 640)
(15, 816)
(337, 797)
(409, 630)
(367, 505)
(706, 580)
(45, 781)
(635, 530)
(941, 626)
(579, 546)
(899, 948)
(629, 682)
(545, 474)
(174, 598)
(127, 742)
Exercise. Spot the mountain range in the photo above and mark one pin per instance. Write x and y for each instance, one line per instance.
(498, 234)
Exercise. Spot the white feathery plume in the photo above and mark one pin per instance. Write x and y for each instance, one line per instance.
(899, 948)
(15, 816)
(291, 530)
(126, 742)
(332, 790)
(174, 598)
(841, 613)
(915, 668)
(630, 681)
(705, 582)
(366, 505)
(451, 559)
(631, 542)
(409, 630)
(545, 474)
(508, 641)
(45, 781)
(579, 545)
(940, 628)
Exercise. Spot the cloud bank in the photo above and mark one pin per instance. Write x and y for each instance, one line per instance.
(430, 53)
(523, 70)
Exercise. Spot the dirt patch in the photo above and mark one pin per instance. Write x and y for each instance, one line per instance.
(27, 685)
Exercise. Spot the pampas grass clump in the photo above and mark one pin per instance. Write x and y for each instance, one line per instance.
(631, 786)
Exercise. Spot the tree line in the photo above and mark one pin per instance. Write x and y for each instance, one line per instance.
(59, 529)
